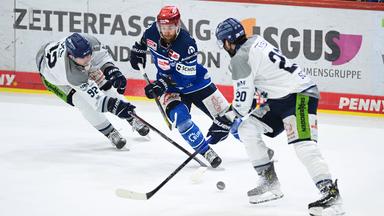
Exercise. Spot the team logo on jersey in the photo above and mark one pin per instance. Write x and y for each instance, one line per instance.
(84, 86)
(152, 44)
(163, 64)
(173, 55)
(191, 50)
(240, 83)
(186, 70)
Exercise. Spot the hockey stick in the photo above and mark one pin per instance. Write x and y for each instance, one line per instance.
(156, 99)
(128, 194)
(168, 139)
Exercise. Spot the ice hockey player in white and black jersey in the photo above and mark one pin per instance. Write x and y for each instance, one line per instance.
(291, 104)
(80, 71)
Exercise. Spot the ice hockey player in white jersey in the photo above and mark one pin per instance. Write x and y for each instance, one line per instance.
(291, 104)
(79, 70)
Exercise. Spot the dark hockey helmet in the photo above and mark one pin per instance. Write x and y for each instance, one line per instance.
(230, 30)
(78, 46)
(170, 16)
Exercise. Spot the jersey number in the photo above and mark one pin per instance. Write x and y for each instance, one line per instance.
(283, 64)
(240, 96)
(93, 91)
(52, 56)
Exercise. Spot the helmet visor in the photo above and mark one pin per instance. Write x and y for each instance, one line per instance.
(168, 27)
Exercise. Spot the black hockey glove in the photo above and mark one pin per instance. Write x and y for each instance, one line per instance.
(219, 129)
(138, 55)
(120, 108)
(156, 89)
(117, 79)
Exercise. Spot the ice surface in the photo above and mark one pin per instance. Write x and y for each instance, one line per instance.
(52, 162)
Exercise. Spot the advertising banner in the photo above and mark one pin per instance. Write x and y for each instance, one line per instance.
(341, 49)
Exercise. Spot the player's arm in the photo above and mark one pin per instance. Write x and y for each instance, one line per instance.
(244, 91)
(91, 93)
(244, 88)
(242, 104)
(101, 59)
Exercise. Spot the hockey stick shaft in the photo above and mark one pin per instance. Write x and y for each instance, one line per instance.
(168, 139)
(156, 99)
(145, 196)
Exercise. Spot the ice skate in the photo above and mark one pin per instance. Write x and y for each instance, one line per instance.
(212, 158)
(138, 126)
(117, 140)
(268, 188)
(330, 203)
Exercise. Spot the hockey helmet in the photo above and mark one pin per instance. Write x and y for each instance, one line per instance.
(78, 46)
(230, 30)
(169, 16)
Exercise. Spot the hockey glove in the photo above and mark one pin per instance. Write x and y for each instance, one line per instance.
(116, 78)
(156, 89)
(138, 55)
(219, 129)
(120, 108)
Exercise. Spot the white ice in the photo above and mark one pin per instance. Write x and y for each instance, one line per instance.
(52, 162)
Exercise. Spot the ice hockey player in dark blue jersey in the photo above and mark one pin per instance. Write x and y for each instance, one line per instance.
(181, 82)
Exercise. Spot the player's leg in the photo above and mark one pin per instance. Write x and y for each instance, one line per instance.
(97, 119)
(209, 100)
(250, 133)
(301, 129)
(136, 124)
(212, 102)
(178, 113)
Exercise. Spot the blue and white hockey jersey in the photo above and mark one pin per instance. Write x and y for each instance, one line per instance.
(177, 62)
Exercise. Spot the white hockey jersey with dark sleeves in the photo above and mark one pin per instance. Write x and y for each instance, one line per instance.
(259, 66)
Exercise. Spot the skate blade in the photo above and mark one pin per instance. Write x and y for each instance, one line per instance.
(330, 211)
(266, 197)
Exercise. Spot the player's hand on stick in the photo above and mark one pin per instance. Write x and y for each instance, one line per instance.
(120, 108)
(156, 89)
